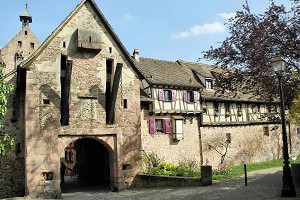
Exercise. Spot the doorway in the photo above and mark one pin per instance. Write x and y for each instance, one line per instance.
(87, 166)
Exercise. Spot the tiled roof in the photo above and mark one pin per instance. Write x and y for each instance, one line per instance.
(180, 73)
(231, 96)
(162, 72)
(204, 70)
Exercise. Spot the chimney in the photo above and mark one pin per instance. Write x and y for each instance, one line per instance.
(136, 54)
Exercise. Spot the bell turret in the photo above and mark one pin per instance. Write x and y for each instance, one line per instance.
(25, 18)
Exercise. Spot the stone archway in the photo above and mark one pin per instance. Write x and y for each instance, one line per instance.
(94, 161)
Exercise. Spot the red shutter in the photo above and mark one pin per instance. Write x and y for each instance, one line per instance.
(195, 96)
(173, 95)
(167, 126)
(151, 125)
(160, 94)
(184, 95)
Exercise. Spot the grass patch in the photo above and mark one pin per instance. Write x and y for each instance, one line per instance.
(238, 170)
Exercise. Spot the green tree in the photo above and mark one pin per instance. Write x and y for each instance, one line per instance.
(6, 141)
(295, 111)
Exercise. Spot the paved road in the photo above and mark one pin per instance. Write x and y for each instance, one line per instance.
(264, 184)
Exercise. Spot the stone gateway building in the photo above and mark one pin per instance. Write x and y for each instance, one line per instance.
(81, 99)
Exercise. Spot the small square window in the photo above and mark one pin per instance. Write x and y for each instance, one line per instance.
(255, 108)
(272, 108)
(228, 138)
(32, 45)
(159, 125)
(190, 96)
(216, 108)
(19, 43)
(125, 103)
(26, 33)
(227, 108)
(209, 84)
(167, 95)
(239, 107)
(266, 131)
(46, 101)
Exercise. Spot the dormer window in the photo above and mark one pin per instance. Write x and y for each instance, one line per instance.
(209, 84)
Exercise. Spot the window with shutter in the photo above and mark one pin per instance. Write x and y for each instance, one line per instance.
(185, 98)
(151, 125)
(195, 96)
(167, 95)
(159, 125)
(189, 96)
(167, 126)
(160, 94)
(173, 95)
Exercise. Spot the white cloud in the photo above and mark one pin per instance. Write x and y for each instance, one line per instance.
(128, 16)
(213, 28)
(226, 15)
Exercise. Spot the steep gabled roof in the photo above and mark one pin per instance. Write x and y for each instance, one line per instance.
(204, 70)
(28, 62)
(209, 71)
(161, 72)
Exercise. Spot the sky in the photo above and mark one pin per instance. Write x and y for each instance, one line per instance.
(161, 29)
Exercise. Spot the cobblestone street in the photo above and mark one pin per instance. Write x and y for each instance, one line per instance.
(264, 184)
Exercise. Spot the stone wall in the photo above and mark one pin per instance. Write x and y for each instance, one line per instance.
(166, 147)
(12, 169)
(46, 138)
(11, 177)
(247, 143)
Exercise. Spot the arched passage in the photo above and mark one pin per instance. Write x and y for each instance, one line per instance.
(91, 160)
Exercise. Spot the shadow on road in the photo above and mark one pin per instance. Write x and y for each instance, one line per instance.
(72, 185)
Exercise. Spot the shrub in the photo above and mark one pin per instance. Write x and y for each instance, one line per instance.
(151, 161)
(222, 171)
(169, 169)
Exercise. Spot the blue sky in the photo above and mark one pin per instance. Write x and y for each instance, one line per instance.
(160, 29)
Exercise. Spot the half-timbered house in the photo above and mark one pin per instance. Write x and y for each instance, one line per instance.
(184, 117)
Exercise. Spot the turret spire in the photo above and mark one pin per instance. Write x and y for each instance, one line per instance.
(25, 17)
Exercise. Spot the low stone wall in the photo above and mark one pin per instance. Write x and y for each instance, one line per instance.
(145, 181)
(11, 177)
(148, 181)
